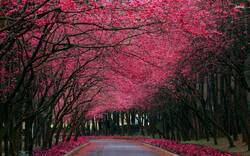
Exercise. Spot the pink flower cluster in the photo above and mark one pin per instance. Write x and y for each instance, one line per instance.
(61, 148)
(186, 149)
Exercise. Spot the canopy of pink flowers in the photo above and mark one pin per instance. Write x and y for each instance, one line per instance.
(141, 43)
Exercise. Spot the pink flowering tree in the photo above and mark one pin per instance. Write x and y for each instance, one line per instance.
(63, 62)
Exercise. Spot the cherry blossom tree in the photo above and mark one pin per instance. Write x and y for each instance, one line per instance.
(65, 61)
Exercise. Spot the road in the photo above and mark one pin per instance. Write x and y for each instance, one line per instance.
(118, 148)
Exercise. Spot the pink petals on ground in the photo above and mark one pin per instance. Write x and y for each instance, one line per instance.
(173, 146)
(61, 148)
(186, 149)
(169, 145)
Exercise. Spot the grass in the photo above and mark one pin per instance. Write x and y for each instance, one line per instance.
(223, 145)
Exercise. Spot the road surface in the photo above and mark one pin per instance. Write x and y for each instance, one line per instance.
(118, 148)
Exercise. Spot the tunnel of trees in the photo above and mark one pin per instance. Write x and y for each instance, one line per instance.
(175, 69)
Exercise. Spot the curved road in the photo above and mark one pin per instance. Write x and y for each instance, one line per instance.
(119, 148)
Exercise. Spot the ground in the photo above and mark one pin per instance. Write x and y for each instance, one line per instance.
(240, 147)
(119, 148)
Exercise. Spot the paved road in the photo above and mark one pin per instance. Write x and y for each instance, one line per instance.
(117, 148)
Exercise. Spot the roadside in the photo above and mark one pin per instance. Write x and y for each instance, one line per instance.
(240, 147)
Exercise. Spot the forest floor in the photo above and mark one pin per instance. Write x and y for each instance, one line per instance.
(240, 147)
